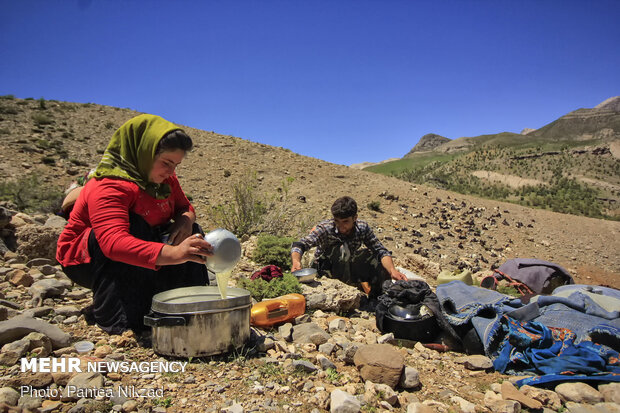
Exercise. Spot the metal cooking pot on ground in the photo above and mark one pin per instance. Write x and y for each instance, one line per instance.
(196, 321)
(305, 275)
(226, 250)
(417, 324)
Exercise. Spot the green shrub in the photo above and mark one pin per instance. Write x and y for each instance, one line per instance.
(273, 250)
(42, 104)
(109, 125)
(244, 213)
(374, 206)
(48, 160)
(31, 195)
(8, 110)
(261, 289)
(41, 119)
(7, 97)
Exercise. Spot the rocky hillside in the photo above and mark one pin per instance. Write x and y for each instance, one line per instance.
(308, 366)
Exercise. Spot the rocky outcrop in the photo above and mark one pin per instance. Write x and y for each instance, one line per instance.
(427, 143)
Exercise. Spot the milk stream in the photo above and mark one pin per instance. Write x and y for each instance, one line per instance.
(222, 282)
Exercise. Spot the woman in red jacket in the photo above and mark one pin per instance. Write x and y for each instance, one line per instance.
(113, 241)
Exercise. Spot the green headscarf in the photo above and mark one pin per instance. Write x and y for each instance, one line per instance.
(131, 153)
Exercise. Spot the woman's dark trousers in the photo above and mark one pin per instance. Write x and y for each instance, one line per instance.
(122, 293)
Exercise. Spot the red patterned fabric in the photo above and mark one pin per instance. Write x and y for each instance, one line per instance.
(267, 273)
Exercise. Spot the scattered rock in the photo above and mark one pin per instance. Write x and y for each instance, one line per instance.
(476, 362)
(578, 392)
(379, 363)
(331, 295)
(18, 327)
(343, 402)
(610, 392)
(310, 333)
(410, 378)
(9, 396)
(510, 392)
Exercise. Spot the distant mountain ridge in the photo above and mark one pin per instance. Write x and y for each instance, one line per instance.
(600, 122)
(564, 162)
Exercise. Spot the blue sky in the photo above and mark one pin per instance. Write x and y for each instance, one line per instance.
(339, 80)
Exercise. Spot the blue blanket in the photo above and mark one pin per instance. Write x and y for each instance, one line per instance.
(589, 314)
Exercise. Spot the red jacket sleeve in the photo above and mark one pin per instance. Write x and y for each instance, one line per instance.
(109, 214)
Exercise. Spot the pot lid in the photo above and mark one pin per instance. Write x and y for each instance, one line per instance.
(189, 300)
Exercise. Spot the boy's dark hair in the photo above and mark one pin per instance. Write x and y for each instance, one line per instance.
(176, 139)
(344, 207)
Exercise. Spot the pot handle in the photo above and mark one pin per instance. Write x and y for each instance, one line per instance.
(168, 321)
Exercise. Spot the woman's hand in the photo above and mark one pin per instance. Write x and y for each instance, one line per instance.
(193, 248)
(180, 229)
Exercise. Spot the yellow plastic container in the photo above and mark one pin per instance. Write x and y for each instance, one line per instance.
(277, 310)
(446, 276)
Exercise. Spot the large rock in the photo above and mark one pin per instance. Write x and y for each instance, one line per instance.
(37, 241)
(20, 326)
(328, 294)
(578, 392)
(380, 363)
(310, 333)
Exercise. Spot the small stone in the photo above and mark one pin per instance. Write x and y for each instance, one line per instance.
(20, 277)
(286, 331)
(325, 363)
(304, 365)
(548, 398)
(9, 396)
(337, 324)
(49, 406)
(610, 392)
(103, 351)
(29, 403)
(70, 320)
(510, 392)
(327, 348)
(410, 378)
(417, 407)
(475, 362)
(465, 406)
(343, 402)
(304, 318)
(67, 310)
(12, 352)
(386, 338)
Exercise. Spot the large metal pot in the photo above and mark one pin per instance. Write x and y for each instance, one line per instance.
(196, 321)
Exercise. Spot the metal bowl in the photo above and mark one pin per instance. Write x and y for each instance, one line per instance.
(305, 275)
